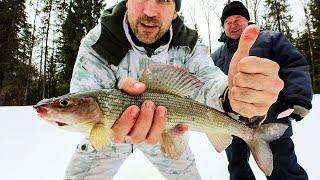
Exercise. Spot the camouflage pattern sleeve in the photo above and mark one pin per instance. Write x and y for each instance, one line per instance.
(216, 82)
(90, 70)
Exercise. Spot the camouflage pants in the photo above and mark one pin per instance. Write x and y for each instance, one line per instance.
(88, 164)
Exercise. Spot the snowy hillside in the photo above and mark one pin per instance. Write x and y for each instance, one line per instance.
(31, 149)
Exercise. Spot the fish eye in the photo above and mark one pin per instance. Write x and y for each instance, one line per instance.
(64, 103)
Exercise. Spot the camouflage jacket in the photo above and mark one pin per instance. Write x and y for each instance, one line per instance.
(98, 66)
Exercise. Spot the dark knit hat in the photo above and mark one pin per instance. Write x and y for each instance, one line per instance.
(234, 8)
(178, 4)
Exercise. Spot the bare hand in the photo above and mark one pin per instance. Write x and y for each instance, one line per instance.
(254, 83)
(138, 125)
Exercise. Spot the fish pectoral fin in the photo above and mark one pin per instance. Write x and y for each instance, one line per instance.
(100, 136)
(173, 144)
(220, 141)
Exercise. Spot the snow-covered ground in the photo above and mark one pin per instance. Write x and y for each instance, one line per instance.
(31, 149)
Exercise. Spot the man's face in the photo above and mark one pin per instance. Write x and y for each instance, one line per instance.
(150, 19)
(234, 25)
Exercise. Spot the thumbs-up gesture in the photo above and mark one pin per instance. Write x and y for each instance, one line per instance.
(253, 82)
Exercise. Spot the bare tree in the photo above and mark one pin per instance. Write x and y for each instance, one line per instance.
(192, 14)
(41, 59)
(253, 6)
(31, 53)
(46, 49)
(208, 8)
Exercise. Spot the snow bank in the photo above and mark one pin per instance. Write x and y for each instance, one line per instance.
(31, 149)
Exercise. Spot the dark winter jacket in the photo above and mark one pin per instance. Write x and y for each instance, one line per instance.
(294, 71)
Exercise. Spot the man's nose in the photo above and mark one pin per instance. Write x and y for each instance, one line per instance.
(150, 8)
(233, 24)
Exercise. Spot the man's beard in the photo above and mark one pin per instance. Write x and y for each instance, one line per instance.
(145, 36)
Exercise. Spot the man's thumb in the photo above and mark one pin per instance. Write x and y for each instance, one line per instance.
(247, 39)
(132, 86)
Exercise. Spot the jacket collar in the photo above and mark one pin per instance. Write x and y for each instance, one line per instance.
(113, 44)
(232, 44)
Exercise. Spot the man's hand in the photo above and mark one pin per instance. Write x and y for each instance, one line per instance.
(253, 82)
(144, 124)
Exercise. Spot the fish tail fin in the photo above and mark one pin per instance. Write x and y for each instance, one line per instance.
(100, 136)
(259, 144)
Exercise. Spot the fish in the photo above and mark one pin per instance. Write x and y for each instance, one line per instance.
(94, 112)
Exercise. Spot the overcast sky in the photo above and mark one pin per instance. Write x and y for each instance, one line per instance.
(296, 11)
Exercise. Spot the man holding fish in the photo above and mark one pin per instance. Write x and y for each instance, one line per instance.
(135, 34)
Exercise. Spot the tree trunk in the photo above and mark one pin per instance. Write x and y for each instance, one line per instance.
(310, 43)
(41, 55)
(206, 6)
(46, 53)
(31, 53)
(278, 16)
(255, 10)
(209, 34)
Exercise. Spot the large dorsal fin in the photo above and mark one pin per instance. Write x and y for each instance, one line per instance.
(170, 79)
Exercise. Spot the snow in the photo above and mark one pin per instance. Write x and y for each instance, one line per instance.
(32, 149)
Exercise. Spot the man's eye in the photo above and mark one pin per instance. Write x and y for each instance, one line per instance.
(165, 1)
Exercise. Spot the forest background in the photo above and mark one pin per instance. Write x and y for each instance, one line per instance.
(39, 39)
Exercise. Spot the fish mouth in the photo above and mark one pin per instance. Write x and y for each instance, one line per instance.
(61, 123)
(41, 110)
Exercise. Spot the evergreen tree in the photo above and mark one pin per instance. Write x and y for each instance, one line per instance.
(277, 17)
(302, 44)
(315, 20)
(81, 17)
(14, 52)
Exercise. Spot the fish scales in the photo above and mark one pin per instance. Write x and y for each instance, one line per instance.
(180, 110)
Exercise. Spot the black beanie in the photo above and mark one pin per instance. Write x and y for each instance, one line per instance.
(178, 4)
(234, 8)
